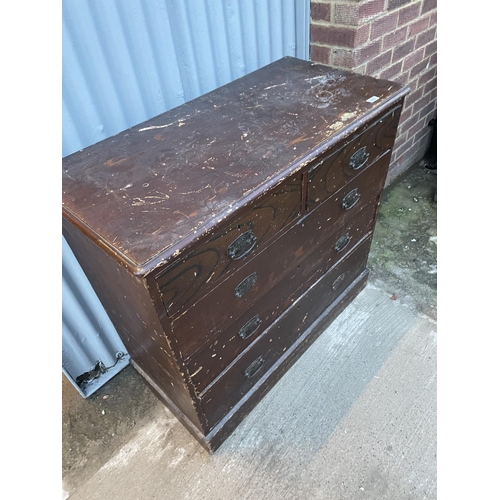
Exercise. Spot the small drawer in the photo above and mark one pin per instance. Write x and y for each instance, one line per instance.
(233, 298)
(226, 249)
(206, 365)
(339, 167)
(232, 385)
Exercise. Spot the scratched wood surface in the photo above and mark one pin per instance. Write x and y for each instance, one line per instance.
(150, 190)
(212, 314)
(205, 366)
(190, 278)
(246, 371)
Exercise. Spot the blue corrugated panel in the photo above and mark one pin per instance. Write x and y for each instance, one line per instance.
(92, 352)
(127, 61)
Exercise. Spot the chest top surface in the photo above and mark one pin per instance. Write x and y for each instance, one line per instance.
(146, 192)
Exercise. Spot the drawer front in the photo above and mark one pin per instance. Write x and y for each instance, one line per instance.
(206, 365)
(338, 168)
(240, 377)
(228, 302)
(194, 275)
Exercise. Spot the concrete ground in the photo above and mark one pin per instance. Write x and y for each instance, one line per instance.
(354, 418)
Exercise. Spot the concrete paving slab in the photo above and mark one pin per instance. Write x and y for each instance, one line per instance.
(353, 418)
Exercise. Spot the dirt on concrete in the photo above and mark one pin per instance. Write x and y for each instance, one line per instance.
(95, 428)
(403, 256)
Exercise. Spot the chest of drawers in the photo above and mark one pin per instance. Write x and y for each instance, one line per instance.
(224, 235)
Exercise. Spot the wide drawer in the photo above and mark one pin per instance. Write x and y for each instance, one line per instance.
(224, 251)
(220, 308)
(206, 365)
(346, 162)
(246, 370)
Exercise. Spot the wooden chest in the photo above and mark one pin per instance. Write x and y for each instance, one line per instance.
(224, 235)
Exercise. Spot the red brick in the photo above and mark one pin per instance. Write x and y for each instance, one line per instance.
(433, 19)
(422, 143)
(431, 48)
(379, 63)
(403, 50)
(320, 54)
(408, 124)
(416, 128)
(402, 78)
(407, 156)
(394, 38)
(413, 59)
(418, 26)
(428, 5)
(400, 138)
(427, 76)
(427, 109)
(320, 11)
(405, 114)
(408, 14)
(433, 59)
(422, 133)
(371, 8)
(339, 36)
(403, 148)
(425, 38)
(363, 34)
(391, 71)
(394, 4)
(430, 86)
(368, 51)
(383, 25)
(343, 57)
(346, 14)
(418, 68)
(413, 84)
(333, 35)
(421, 103)
(361, 69)
(414, 96)
(432, 114)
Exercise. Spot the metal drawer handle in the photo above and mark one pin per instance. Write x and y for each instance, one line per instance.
(254, 367)
(245, 285)
(338, 281)
(350, 199)
(359, 158)
(342, 242)
(249, 328)
(242, 245)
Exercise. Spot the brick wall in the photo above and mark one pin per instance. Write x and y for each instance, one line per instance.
(390, 39)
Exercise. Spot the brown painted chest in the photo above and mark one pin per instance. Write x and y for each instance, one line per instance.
(223, 236)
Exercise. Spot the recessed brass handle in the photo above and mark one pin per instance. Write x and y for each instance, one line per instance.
(359, 158)
(242, 245)
(338, 281)
(254, 367)
(342, 242)
(350, 199)
(245, 285)
(250, 327)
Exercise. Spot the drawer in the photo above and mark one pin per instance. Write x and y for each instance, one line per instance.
(245, 371)
(227, 248)
(206, 365)
(346, 162)
(236, 295)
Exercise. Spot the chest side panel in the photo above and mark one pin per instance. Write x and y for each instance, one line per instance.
(128, 303)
